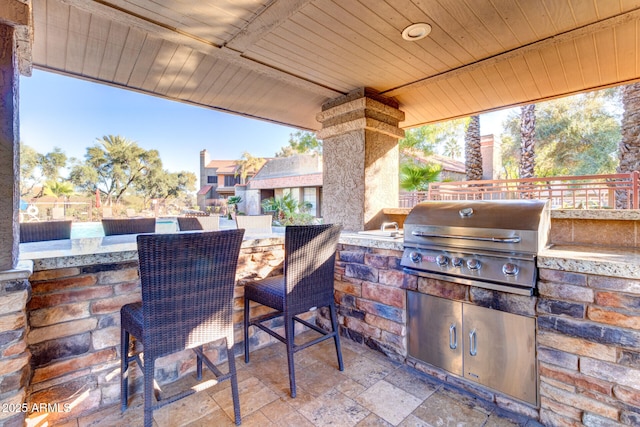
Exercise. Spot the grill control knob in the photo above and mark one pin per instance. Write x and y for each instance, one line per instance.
(510, 269)
(415, 257)
(442, 260)
(457, 261)
(473, 264)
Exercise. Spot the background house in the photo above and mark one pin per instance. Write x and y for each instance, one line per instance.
(491, 157)
(218, 179)
(300, 176)
(452, 170)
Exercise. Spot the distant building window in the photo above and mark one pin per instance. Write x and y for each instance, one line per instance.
(212, 179)
(230, 180)
(310, 197)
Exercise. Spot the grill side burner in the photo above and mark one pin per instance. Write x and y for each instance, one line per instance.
(490, 244)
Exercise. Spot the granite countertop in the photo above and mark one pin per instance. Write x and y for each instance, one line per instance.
(355, 239)
(615, 262)
(101, 250)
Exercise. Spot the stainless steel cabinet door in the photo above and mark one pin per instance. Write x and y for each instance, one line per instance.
(499, 351)
(435, 331)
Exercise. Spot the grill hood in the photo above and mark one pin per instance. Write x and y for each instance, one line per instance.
(512, 226)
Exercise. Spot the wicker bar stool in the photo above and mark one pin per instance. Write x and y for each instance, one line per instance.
(118, 226)
(190, 223)
(255, 223)
(44, 231)
(187, 301)
(307, 284)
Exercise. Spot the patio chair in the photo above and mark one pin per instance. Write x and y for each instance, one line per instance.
(209, 223)
(187, 285)
(307, 284)
(45, 230)
(117, 226)
(57, 214)
(254, 223)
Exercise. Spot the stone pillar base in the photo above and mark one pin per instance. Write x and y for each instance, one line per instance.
(15, 291)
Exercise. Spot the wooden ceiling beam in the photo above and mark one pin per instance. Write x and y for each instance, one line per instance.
(266, 21)
(172, 34)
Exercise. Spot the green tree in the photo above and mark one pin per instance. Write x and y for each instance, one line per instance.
(234, 201)
(288, 211)
(36, 169)
(576, 135)
(301, 142)
(115, 165)
(415, 177)
(452, 148)
(248, 165)
(30, 175)
(52, 162)
(164, 185)
(58, 189)
(430, 139)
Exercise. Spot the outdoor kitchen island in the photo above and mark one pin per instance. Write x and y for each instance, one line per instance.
(586, 311)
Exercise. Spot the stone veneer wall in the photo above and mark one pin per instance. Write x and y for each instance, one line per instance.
(588, 349)
(588, 334)
(14, 362)
(369, 291)
(75, 332)
(371, 294)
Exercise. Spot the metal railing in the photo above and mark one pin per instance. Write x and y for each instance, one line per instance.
(613, 191)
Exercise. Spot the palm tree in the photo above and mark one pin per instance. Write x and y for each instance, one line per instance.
(248, 165)
(629, 146)
(234, 201)
(58, 189)
(415, 177)
(527, 146)
(473, 154)
(452, 148)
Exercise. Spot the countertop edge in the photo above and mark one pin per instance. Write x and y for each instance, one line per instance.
(614, 262)
(620, 262)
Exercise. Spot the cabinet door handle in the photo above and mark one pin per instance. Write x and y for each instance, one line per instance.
(453, 337)
(473, 343)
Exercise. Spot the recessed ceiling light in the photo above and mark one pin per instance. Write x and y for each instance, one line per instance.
(416, 31)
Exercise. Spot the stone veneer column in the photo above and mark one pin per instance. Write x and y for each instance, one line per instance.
(15, 24)
(9, 150)
(360, 153)
(14, 355)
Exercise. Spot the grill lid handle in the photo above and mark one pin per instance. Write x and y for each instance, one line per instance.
(514, 239)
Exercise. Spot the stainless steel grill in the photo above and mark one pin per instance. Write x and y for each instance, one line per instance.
(490, 244)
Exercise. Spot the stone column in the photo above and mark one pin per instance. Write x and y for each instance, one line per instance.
(15, 58)
(360, 152)
(9, 150)
(14, 354)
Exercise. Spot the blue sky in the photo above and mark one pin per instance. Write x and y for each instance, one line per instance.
(58, 111)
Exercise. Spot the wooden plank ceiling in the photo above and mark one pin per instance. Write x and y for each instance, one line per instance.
(280, 60)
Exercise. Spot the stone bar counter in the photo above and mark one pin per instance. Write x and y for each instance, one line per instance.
(77, 288)
(587, 312)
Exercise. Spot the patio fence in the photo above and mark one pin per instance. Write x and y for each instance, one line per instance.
(613, 191)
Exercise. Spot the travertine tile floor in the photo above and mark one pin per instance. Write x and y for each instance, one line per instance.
(371, 391)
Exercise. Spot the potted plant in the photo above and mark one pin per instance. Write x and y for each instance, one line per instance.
(233, 201)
